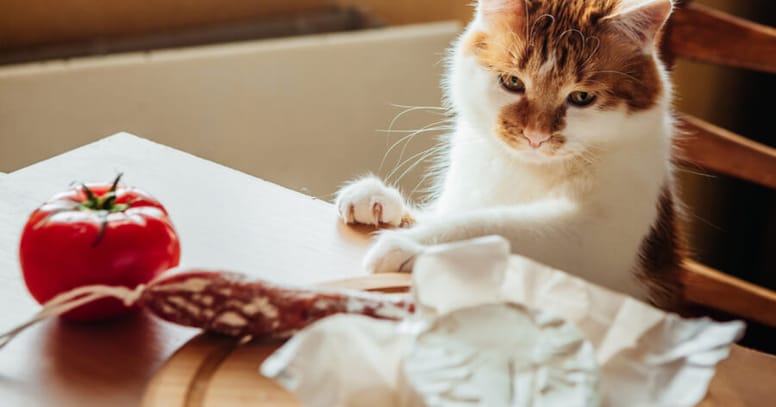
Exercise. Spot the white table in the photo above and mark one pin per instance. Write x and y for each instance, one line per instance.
(225, 219)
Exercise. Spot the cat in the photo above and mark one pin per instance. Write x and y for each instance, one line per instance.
(561, 144)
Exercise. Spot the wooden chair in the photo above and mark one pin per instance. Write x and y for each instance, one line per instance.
(702, 34)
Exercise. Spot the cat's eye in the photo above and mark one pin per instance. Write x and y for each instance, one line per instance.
(581, 99)
(511, 83)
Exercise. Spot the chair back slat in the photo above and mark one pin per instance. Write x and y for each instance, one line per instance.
(711, 147)
(711, 288)
(703, 34)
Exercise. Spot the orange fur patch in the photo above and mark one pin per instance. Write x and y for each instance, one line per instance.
(516, 117)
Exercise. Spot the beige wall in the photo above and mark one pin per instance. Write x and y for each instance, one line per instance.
(303, 112)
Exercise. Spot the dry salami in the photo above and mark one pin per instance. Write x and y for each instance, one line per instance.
(227, 303)
(230, 304)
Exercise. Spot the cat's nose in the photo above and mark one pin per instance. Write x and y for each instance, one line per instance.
(536, 138)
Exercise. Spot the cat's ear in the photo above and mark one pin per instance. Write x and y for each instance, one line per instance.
(488, 9)
(641, 19)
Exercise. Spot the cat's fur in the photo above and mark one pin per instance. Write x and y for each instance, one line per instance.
(587, 190)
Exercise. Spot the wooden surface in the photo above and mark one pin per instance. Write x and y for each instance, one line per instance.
(714, 289)
(745, 379)
(225, 218)
(703, 34)
(708, 146)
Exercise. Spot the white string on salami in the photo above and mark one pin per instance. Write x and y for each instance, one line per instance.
(227, 303)
(73, 299)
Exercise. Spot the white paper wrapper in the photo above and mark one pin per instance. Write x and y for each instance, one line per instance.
(344, 360)
(499, 355)
(646, 357)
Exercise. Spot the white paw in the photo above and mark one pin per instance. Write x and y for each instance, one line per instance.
(370, 202)
(393, 251)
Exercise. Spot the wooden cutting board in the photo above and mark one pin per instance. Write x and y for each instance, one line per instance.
(218, 371)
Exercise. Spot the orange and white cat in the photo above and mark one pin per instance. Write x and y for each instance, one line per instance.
(562, 144)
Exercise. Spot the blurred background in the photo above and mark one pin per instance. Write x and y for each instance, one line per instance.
(310, 93)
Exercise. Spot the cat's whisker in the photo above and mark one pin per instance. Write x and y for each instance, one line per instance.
(423, 179)
(421, 130)
(619, 73)
(527, 12)
(436, 171)
(420, 157)
(590, 154)
(408, 138)
(689, 212)
(428, 153)
(595, 50)
(511, 51)
(418, 107)
(698, 173)
(406, 144)
(406, 110)
(571, 30)
(401, 155)
(424, 154)
(590, 82)
(533, 26)
(400, 165)
(409, 109)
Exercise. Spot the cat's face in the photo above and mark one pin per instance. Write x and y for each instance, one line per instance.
(554, 79)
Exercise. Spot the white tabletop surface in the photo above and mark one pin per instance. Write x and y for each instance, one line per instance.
(222, 217)
(226, 219)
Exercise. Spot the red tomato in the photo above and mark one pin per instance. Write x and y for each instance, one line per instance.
(96, 234)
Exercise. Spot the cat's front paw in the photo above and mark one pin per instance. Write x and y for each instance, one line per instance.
(369, 201)
(393, 251)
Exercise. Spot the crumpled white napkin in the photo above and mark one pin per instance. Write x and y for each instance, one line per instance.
(646, 357)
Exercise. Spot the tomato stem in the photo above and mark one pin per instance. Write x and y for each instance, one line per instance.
(104, 204)
(109, 199)
(116, 182)
(105, 201)
(103, 226)
(91, 198)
